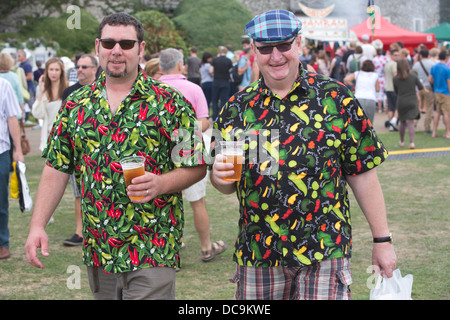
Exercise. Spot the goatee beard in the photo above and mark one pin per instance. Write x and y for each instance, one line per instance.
(116, 75)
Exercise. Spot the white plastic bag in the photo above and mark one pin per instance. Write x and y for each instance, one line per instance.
(25, 200)
(394, 288)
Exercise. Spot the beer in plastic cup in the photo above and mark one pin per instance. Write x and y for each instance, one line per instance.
(132, 167)
(234, 153)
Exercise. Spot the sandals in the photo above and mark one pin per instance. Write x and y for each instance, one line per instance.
(217, 248)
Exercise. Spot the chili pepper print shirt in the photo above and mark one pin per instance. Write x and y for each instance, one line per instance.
(118, 234)
(294, 206)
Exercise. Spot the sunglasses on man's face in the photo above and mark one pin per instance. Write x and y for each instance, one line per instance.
(282, 47)
(84, 67)
(124, 44)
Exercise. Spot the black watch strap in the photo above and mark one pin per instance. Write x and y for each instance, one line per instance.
(383, 239)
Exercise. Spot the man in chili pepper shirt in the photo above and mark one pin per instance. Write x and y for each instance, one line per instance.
(130, 247)
(306, 139)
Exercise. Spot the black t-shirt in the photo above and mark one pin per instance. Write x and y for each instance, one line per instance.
(222, 66)
(70, 89)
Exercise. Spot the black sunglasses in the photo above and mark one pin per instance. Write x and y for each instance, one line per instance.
(124, 44)
(282, 47)
(83, 67)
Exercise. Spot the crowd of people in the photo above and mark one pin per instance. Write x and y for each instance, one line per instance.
(213, 73)
(88, 125)
(373, 76)
(364, 67)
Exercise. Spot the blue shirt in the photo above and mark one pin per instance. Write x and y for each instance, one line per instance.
(26, 66)
(248, 72)
(440, 73)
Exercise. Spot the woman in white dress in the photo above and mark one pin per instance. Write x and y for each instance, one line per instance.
(366, 87)
(48, 102)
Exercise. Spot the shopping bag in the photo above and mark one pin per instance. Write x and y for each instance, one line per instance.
(394, 288)
(14, 184)
(25, 200)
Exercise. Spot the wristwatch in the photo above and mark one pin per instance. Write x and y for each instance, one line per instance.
(383, 239)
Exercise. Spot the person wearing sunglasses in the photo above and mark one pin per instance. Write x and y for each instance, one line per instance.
(131, 235)
(306, 138)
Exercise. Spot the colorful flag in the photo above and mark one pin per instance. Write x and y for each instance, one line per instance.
(371, 13)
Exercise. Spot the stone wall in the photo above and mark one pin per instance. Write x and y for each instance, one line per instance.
(403, 13)
(260, 6)
(399, 12)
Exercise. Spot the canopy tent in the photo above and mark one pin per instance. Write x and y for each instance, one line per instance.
(442, 31)
(389, 33)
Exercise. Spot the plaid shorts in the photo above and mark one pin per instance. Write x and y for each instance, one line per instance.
(327, 280)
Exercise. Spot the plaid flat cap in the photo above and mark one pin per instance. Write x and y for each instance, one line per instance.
(273, 26)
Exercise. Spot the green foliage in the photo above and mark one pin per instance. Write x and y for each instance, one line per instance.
(212, 23)
(160, 32)
(70, 40)
(10, 6)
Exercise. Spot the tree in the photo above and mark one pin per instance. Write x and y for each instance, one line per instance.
(134, 6)
(160, 32)
(70, 40)
(39, 9)
(212, 23)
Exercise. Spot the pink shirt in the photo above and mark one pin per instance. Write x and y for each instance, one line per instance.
(191, 91)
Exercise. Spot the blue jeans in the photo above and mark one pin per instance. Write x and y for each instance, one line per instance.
(207, 90)
(5, 163)
(220, 90)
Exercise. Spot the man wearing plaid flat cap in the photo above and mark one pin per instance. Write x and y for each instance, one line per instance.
(306, 138)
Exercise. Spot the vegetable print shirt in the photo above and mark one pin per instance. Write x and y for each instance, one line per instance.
(294, 206)
(120, 235)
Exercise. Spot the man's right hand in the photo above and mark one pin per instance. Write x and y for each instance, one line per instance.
(36, 239)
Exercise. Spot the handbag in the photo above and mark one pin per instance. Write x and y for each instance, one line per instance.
(394, 288)
(25, 144)
(26, 95)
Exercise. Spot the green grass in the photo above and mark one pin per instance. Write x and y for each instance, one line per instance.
(422, 140)
(416, 194)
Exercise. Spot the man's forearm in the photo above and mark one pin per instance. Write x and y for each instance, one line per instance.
(14, 131)
(182, 178)
(369, 195)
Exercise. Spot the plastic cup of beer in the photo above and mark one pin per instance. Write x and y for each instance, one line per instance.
(132, 167)
(234, 153)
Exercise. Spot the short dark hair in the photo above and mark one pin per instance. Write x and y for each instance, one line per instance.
(122, 19)
(368, 66)
(424, 53)
(443, 55)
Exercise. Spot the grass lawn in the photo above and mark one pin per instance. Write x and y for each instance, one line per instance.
(416, 193)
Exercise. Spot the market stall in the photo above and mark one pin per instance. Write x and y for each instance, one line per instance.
(389, 33)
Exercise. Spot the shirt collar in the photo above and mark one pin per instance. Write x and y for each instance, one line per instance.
(172, 77)
(301, 81)
(137, 86)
